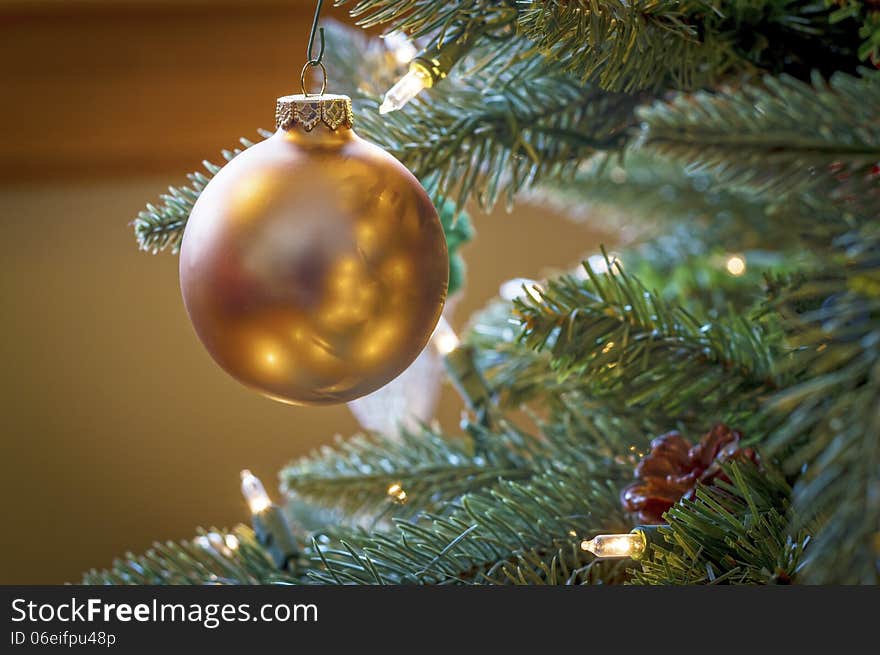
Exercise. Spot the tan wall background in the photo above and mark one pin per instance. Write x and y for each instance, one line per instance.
(117, 428)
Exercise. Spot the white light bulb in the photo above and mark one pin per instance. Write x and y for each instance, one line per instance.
(407, 88)
(254, 492)
(616, 545)
(736, 265)
(444, 338)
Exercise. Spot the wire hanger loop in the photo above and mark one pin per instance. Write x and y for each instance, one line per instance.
(302, 78)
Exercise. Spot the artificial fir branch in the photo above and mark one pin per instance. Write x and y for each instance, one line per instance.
(160, 227)
(621, 339)
(677, 212)
(501, 124)
(628, 46)
(780, 136)
(648, 195)
(433, 470)
(567, 565)
(436, 470)
(503, 130)
(686, 44)
(732, 533)
(420, 18)
(828, 423)
(214, 557)
(671, 44)
(525, 379)
(867, 14)
(489, 528)
(575, 467)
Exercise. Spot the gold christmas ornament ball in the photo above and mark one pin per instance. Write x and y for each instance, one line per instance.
(314, 266)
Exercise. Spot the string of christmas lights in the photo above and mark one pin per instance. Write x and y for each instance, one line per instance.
(274, 534)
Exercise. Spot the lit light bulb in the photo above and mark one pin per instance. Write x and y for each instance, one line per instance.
(519, 287)
(406, 88)
(401, 47)
(444, 338)
(270, 525)
(396, 493)
(736, 265)
(426, 67)
(616, 545)
(254, 492)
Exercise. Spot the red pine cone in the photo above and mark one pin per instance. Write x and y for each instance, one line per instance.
(673, 468)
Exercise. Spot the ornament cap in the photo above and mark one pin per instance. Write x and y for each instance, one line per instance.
(308, 111)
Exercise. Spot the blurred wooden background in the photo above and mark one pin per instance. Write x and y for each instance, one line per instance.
(115, 87)
(118, 429)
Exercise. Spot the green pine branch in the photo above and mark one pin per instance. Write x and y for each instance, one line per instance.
(432, 469)
(732, 533)
(662, 206)
(579, 458)
(214, 557)
(573, 417)
(647, 194)
(649, 44)
(781, 136)
(491, 135)
(628, 46)
(509, 522)
(499, 123)
(437, 470)
(828, 421)
(866, 14)
(689, 44)
(160, 227)
(618, 339)
(516, 373)
(420, 18)
(566, 565)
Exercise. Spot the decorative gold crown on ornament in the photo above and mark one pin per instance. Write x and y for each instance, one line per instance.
(307, 111)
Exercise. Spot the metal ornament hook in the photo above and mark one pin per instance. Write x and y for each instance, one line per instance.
(302, 78)
(311, 58)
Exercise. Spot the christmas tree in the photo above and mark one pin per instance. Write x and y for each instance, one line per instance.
(707, 393)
